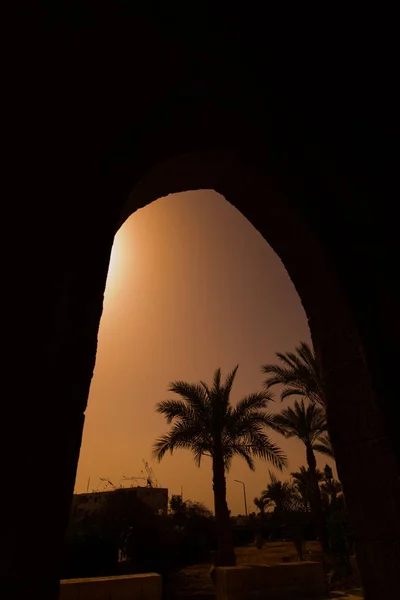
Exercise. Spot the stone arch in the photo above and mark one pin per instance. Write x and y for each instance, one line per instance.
(356, 422)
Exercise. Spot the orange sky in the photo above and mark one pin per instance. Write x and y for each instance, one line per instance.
(192, 286)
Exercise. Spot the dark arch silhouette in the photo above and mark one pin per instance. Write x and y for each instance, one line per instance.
(109, 112)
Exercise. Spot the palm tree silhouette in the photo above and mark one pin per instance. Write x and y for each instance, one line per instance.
(262, 503)
(307, 423)
(205, 422)
(300, 375)
(299, 372)
(280, 493)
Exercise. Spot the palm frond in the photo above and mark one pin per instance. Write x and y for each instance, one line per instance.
(183, 435)
(262, 447)
(250, 403)
(235, 426)
(290, 359)
(174, 409)
(236, 449)
(283, 424)
(257, 444)
(207, 394)
(216, 381)
(278, 423)
(324, 446)
(192, 393)
(304, 475)
(227, 387)
(281, 493)
(292, 390)
(262, 503)
(199, 450)
(306, 354)
(307, 423)
(299, 372)
(279, 375)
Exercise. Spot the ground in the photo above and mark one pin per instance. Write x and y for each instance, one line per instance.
(194, 583)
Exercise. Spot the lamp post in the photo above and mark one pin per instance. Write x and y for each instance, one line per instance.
(244, 494)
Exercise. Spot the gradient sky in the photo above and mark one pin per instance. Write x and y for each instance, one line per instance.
(192, 286)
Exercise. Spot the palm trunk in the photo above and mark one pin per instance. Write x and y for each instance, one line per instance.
(316, 501)
(225, 556)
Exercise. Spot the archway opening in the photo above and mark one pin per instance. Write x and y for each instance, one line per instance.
(192, 286)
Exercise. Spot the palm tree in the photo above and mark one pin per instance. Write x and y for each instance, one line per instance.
(300, 375)
(308, 424)
(285, 496)
(262, 503)
(205, 422)
(281, 493)
(305, 422)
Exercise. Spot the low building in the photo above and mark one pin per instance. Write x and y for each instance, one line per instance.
(88, 503)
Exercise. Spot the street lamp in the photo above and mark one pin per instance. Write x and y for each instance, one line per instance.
(244, 494)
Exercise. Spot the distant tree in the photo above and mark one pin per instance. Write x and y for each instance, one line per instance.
(262, 503)
(196, 525)
(331, 489)
(178, 509)
(307, 423)
(205, 422)
(299, 374)
(198, 510)
(280, 493)
(289, 515)
(303, 485)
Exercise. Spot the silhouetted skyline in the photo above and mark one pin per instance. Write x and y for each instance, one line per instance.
(192, 286)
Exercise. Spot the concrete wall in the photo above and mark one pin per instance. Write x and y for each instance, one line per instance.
(271, 582)
(126, 587)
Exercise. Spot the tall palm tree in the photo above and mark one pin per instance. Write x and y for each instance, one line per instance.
(205, 422)
(307, 423)
(300, 375)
